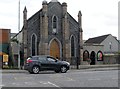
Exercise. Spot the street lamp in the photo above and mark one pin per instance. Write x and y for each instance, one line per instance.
(18, 34)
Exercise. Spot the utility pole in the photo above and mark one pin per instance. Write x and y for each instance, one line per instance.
(18, 35)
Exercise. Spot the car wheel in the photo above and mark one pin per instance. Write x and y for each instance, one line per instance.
(63, 69)
(35, 69)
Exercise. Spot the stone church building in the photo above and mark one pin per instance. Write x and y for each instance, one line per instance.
(53, 31)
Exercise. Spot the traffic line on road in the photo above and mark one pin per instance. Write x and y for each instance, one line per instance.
(54, 85)
(95, 79)
(22, 78)
(48, 82)
(2, 85)
(17, 84)
(43, 82)
(30, 83)
(70, 79)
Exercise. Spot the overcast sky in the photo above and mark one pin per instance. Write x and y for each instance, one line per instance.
(99, 17)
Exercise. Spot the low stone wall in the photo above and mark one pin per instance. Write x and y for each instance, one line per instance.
(96, 66)
(111, 59)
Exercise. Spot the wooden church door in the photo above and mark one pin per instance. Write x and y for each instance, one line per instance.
(54, 49)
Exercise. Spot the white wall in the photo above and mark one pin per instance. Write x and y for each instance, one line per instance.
(114, 44)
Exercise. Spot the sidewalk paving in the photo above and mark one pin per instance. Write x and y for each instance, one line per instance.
(95, 66)
(81, 67)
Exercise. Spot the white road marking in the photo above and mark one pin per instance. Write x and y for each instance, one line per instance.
(43, 82)
(2, 85)
(86, 72)
(30, 83)
(95, 79)
(69, 79)
(54, 85)
(22, 78)
(16, 84)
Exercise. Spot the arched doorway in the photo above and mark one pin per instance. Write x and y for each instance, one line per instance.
(92, 57)
(99, 56)
(55, 49)
(85, 55)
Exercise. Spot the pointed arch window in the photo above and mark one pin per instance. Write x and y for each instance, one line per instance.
(54, 24)
(72, 47)
(34, 45)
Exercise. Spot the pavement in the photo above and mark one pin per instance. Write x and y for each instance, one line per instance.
(81, 67)
(96, 66)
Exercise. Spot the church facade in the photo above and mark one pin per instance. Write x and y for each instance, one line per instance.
(53, 31)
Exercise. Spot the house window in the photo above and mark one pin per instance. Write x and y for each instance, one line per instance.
(54, 24)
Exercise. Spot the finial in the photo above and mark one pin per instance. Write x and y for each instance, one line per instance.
(79, 13)
(25, 9)
(44, 2)
(64, 4)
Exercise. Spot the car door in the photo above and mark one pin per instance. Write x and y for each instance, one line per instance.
(52, 63)
(44, 63)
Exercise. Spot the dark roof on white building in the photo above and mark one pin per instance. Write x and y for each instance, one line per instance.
(97, 40)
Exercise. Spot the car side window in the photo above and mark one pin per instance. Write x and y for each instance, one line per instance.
(35, 58)
(50, 59)
(42, 59)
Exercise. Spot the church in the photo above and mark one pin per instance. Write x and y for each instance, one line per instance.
(53, 31)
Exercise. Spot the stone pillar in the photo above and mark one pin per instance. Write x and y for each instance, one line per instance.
(64, 8)
(25, 34)
(43, 45)
(66, 33)
(81, 36)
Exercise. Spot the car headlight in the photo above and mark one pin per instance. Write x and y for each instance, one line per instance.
(68, 63)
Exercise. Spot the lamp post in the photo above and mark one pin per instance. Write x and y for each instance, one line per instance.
(18, 35)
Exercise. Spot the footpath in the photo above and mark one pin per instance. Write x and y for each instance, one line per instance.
(81, 67)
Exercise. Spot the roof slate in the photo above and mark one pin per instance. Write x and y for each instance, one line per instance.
(97, 40)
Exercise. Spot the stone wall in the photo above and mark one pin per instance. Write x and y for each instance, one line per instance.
(110, 59)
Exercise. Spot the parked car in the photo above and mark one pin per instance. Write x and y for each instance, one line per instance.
(35, 64)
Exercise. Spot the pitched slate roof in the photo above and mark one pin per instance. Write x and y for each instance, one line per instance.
(97, 40)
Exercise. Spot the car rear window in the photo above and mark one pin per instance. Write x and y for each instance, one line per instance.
(42, 58)
(34, 58)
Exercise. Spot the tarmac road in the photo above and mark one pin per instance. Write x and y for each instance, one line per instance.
(73, 78)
